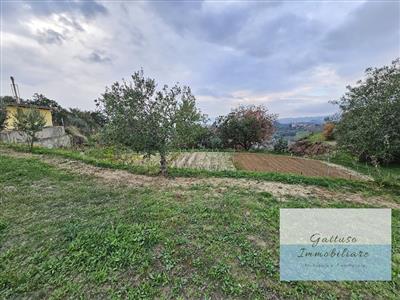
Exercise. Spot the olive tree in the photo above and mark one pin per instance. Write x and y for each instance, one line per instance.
(369, 125)
(29, 122)
(189, 122)
(141, 117)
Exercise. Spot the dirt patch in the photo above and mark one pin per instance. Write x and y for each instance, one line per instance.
(257, 241)
(305, 147)
(293, 165)
(277, 189)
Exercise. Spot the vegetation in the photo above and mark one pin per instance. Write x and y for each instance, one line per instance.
(316, 137)
(29, 122)
(281, 145)
(328, 131)
(190, 123)
(3, 115)
(146, 120)
(211, 161)
(369, 126)
(85, 124)
(106, 158)
(383, 175)
(246, 126)
(210, 138)
(58, 113)
(294, 132)
(89, 240)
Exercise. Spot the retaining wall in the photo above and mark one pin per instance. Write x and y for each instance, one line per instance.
(49, 137)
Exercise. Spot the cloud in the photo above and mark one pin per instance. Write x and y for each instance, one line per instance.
(293, 57)
(96, 57)
(71, 22)
(371, 30)
(50, 36)
(86, 8)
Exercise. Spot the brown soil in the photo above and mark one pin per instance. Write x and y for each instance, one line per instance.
(304, 147)
(293, 165)
(277, 189)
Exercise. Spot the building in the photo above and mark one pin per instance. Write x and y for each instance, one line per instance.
(11, 111)
(50, 136)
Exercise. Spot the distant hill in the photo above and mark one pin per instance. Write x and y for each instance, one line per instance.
(312, 120)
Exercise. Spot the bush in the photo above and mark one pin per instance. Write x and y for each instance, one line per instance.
(281, 145)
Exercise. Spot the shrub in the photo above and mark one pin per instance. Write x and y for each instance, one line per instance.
(281, 145)
(328, 131)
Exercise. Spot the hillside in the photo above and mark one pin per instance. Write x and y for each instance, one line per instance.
(99, 233)
(104, 232)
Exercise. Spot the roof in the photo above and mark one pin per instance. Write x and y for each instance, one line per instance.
(28, 106)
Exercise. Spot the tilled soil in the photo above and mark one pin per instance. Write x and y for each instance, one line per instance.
(294, 165)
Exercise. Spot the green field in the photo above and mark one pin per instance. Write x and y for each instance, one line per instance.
(67, 235)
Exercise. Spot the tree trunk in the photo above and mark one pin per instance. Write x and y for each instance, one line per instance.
(31, 144)
(163, 165)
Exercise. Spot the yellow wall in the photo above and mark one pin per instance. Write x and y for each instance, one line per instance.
(12, 111)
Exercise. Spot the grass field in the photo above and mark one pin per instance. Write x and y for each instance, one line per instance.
(66, 235)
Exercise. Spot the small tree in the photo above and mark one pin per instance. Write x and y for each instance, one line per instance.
(142, 118)
(246, 126)
(30, 123)
(328, 131)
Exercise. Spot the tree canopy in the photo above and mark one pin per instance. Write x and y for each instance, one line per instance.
(189, 122)
(370, 115)
(246, 126)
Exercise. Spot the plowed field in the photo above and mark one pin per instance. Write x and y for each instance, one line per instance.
(212, 161)
(287, 164)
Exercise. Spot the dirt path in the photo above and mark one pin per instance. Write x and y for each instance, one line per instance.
(279, 190)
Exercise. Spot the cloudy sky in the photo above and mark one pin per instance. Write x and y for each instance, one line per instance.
(292, 56)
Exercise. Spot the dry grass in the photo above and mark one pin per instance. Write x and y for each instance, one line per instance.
(211, 161)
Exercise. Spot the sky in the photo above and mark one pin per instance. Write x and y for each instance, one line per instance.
(291, 56)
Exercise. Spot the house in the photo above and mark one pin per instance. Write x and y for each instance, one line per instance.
(11, 111)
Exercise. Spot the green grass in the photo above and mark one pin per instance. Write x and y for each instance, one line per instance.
(67, 236)
(106, 160)
(301, 134)
(316, 137)
(388, 175)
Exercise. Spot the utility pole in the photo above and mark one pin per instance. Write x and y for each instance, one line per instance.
(14, 89)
